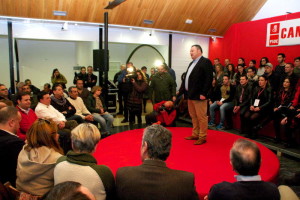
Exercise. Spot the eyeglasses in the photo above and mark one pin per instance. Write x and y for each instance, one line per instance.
(3, 89)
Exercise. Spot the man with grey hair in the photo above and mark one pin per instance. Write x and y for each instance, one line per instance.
(153, 179)
(245, 159)
(10, 144)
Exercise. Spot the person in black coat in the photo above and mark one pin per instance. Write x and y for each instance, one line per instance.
(245, 159)
(10, 144)
(260, 106)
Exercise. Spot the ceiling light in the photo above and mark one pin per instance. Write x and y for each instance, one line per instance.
(59, 13)
(188, 21)
(146, 21)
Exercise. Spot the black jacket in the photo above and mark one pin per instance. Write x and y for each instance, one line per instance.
(200, 80)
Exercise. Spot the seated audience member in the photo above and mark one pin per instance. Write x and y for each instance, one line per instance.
(60, 103)
(153, 179)
(289, 73)
(58, 78)
(230, 73)
(261, 69)
(4, 92)
(19, 89)
(241, 61)
(252, 63)
(91, 78)
(163, 112)
(224, 103)
(297, 66)
(47, 88)
(282, 103)
(10, 144)
(245, 159)
(38, 157)
(33, 97)
(78, 103)
(82, 92)
(46, 111)
(135, 98)
(274, 79)
(69, 190)
(79, 165)
(28, 115)
(240, 71)
(260, 107)
(96, 105)
(292, 120)
(81, 76)
(34, 89)
(242, 100)
(252, 77)
(219, 74)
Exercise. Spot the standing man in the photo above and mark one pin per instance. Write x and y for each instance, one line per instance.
(297, 66)
(279, 69)
(195, 85)
(91, 80)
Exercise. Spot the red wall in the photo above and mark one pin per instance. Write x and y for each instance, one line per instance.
(248, 40)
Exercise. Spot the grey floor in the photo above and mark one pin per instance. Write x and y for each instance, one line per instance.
(289, 158)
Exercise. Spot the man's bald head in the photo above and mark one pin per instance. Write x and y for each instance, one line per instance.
(245, 157)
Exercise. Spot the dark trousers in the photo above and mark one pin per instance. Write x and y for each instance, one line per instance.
(120, 98)
(132, 115)
(125, 98)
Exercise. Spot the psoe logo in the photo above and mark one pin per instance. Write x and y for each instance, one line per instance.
(274, 29)
(274, 40)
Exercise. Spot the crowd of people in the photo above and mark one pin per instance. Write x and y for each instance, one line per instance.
(59, 129)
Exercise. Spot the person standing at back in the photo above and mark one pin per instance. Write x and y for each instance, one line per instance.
(196, 84)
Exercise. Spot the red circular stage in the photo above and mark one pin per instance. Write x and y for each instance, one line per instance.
(209, 162)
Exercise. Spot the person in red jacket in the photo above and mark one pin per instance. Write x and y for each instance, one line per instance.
(28, 115)
(163, 113)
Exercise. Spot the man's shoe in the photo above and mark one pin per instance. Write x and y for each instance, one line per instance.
(200, 141)
(220, 127)
(124, 121)
(211, 123)
(192, 137)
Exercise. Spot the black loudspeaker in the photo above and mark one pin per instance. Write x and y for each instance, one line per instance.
(98, 60)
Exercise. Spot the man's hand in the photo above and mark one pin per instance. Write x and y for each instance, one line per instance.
(174, 98)
(219, 103)
(275, 109)
(252, 108)
(101, 110)
(202, 97)
(61, 125)
(256, 109)
(89, 118)
(236, 109)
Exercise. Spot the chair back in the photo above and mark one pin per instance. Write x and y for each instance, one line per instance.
(4, 195)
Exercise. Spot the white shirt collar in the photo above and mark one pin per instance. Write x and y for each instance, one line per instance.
(247, 178)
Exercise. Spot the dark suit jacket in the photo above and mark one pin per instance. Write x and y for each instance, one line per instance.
(10, 146)
(244, 190)
(200, 79)
(153, 180)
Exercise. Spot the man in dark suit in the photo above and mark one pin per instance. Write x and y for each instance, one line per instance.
(245, 159)
(10, 144)
(153, 179)
(195, 86)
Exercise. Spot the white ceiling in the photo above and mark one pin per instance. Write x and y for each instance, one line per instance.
(274, 8)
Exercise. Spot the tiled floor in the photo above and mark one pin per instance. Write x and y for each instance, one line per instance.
(288, 164)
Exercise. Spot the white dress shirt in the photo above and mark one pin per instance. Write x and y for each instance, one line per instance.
(49, 112)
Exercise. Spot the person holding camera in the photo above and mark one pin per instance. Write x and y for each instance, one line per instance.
(163, 113)
(126, 86)
(135, 98)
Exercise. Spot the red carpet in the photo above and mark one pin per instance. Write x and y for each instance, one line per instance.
(209, 162)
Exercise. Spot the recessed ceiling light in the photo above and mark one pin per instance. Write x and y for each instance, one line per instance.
(188, 21)
(146, 21)
(59, 13)
(213, 30)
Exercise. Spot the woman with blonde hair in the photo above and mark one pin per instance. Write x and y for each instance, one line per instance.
(80, 166)
(37, 159)
(96, 105)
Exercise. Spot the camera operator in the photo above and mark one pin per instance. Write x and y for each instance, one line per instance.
(163, 112)
(126, 86)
